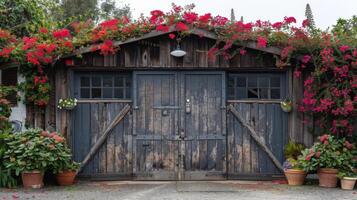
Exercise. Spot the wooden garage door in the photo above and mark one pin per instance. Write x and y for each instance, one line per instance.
(179, 129)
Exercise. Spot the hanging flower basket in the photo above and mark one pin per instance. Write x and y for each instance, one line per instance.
(67, 104)
(286, 105)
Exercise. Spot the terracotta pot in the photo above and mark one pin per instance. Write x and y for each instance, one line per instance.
(32, 179)
(295, 176)
(327, 177)
(66, 178)
(348, 183)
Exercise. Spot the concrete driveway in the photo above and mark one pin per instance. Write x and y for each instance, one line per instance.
(202, 190)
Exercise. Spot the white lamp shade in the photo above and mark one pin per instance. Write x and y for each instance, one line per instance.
(178, 53)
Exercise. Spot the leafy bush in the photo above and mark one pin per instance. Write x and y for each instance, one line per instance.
(31, 150)
(329, 152)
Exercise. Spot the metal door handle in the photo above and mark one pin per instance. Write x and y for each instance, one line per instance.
(188, 106)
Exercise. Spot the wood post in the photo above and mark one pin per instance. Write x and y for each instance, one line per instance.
(256, 137)
(104, 136)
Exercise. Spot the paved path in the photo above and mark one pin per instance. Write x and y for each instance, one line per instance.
(203, 190)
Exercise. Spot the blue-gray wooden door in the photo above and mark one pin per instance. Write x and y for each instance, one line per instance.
(179, 125)
(156, 118)
(203, 125)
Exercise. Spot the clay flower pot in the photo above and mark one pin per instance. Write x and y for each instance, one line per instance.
(348, 183)
(295, 176)
(32, 179)
(327, 177)
(66, 178)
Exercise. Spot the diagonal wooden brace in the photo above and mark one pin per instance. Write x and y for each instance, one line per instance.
(256, 137)
(104, 136)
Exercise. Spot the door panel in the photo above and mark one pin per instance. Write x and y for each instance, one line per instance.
(203, 125)
(156, 114)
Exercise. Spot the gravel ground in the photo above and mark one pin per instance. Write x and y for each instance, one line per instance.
(198, 190)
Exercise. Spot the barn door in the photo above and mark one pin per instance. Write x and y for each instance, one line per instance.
(156, 118)
(203, 125)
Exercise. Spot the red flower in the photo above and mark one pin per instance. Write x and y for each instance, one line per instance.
(323, 138)
(157, 13)
(289, 20)
(182, 27)
(29, 42)
(344, 48)
(44, 133)
(219, 21)
(162, 28)
(43, 30)
(107, 47)
(297, 73)
(262, 42)
(190, 17)
(305, 23)
(110, 24)
(308, 157)
(204, 19)
(172, 36)
(317, 155)
(62, 33)
(277, 25)
(306, 59)
(6, 51)
(242, 52)
(348, 145)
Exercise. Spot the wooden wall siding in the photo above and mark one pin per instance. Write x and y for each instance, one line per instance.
(62, 89)
(156, 149)
(244, 155)
(155, 53)
(298, 130)
(114, 157)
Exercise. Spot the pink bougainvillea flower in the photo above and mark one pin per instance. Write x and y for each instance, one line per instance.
(242, 52)
(290, 20)
(204, 19)
(219, 21)
(344, 48)
(317, 155)
(172, 36)
(162, 28)
(297, 73)
(305, 23)
(306, 59)
(182, 27)
(277, 25)
(157, 13)
(262, 42)
(190, 17)
(107, 47)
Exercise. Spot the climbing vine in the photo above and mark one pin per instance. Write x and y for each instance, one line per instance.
(329, 89)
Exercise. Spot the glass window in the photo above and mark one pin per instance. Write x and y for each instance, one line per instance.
(254, 86)
(105, 86)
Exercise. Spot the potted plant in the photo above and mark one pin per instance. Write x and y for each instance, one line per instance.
(66, 175)
(67, 104)
(286, 105)
(325, 158)
(348, 179)
(63, 167)
(294, 173)
(29, 154)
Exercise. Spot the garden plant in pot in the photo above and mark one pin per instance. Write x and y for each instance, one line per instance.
(64, 168)
(347, 172)
(325, 158)
(292, 168)
(28, 154)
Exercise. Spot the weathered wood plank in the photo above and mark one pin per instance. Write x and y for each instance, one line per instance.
(104, 135)
(255, 136)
